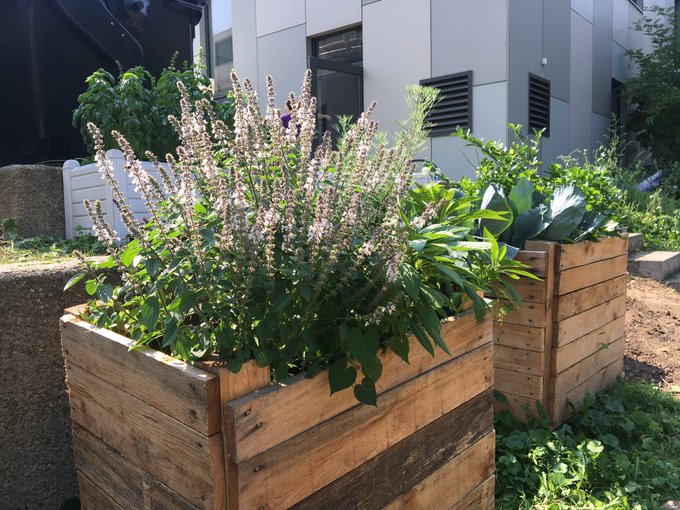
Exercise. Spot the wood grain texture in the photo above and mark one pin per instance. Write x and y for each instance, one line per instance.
(108, 469)
(277, 478)
(149, 438)
(521, 337)
(446, 487)
(579, 325)
(508, 381)
(186, 393)
(273, 415)
(395, 471)
(528, 314)
(479, 498)
(562, 410)
(519, 406)
(529, 291)
(587, 252)
(159, 497)
(587, 345)
(93, 498)
(577, 374)
(570, 280)
(577, 302)
(519, 360)
(536, 260)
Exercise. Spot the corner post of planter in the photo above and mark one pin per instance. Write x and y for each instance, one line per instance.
(251, 377)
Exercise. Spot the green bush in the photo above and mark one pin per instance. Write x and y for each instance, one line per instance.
(138, 105)
(620, 451)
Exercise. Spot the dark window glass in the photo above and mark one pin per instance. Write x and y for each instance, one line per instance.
(344, 47)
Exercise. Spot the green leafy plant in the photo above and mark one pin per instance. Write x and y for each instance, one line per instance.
(620, 451)
(137, 104)
(9, 230)
(261, 247)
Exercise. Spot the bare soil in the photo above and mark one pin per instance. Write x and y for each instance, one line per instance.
(653, 334)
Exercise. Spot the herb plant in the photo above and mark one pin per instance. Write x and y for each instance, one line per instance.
(138, 104)
(260, 245)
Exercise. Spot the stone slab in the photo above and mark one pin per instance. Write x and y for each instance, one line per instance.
(634, 242)
(656, 264)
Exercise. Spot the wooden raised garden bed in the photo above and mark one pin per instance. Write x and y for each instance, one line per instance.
(151, 432)
(568, 337)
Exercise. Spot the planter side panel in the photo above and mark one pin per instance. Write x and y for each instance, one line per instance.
(345, 440)
(136, 438)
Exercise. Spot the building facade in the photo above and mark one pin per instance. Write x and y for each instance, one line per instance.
(540, 63)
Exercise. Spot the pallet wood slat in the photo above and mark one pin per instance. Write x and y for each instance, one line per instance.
(537, 260)
(579, 325)
(371, 486)
(577, 302)
(137, 452)
(570, 354)
(588, 252)
(173, 387)
(581, 277)
(583, 311)
(438, 491)
(520, 406)
(529, 290)
(93, 498)
(275, 478)
(273, 415)
(479, 498)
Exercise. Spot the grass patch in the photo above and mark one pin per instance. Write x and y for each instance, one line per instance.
(655, 215)
(621, 451)
(48, 249)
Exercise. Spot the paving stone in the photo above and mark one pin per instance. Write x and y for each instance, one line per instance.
(634, 242)
(656, 264)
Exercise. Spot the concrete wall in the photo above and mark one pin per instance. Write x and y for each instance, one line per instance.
(36, 457)
(33, 195)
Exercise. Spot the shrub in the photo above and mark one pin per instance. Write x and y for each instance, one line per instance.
(262, 247)
(138, 105)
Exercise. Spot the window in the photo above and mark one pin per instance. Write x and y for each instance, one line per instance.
(455, 103)
(539, 104)
(337, 77)
(214, 34)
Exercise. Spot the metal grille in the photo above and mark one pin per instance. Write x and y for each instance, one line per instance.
(455, 105)
(539, 104)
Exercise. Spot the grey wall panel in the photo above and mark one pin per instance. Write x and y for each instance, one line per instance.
(524, 54)
(556, 49)
(327, 15)
(558, 142)
(244, 35)
(581, 99)
(470, 36)
(283, 55)
(489, 106)
(600, 130)
(620, 21)
(602, 57)
(584, 8)
(619, 62)
(396, 53)
(275, 15)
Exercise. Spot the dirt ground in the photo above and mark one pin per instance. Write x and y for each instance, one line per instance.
(653, 333)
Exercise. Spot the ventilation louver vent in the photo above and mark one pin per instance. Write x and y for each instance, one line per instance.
(455, 105)
(539, 104)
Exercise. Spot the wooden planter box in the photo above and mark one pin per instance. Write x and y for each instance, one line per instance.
(151, 432)
(568, 337)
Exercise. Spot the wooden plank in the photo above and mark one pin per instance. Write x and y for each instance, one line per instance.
(536, 260)
(93, 498)
(186, 393)
(598, 382)
(277, 478)
(528, 314)
(529, 291)
(570, 280)
(579, 325)
(447, 486)
(519, 360)
(479, 498)
(526, 385)
(521, 337)
(574, 376)
(577, 302)
(159, 497)
(271, 416)
(573, 352)
(108, 469)
(520, 407)
(395, 471)
(587, 252)
(550, 280)
(152, 440)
